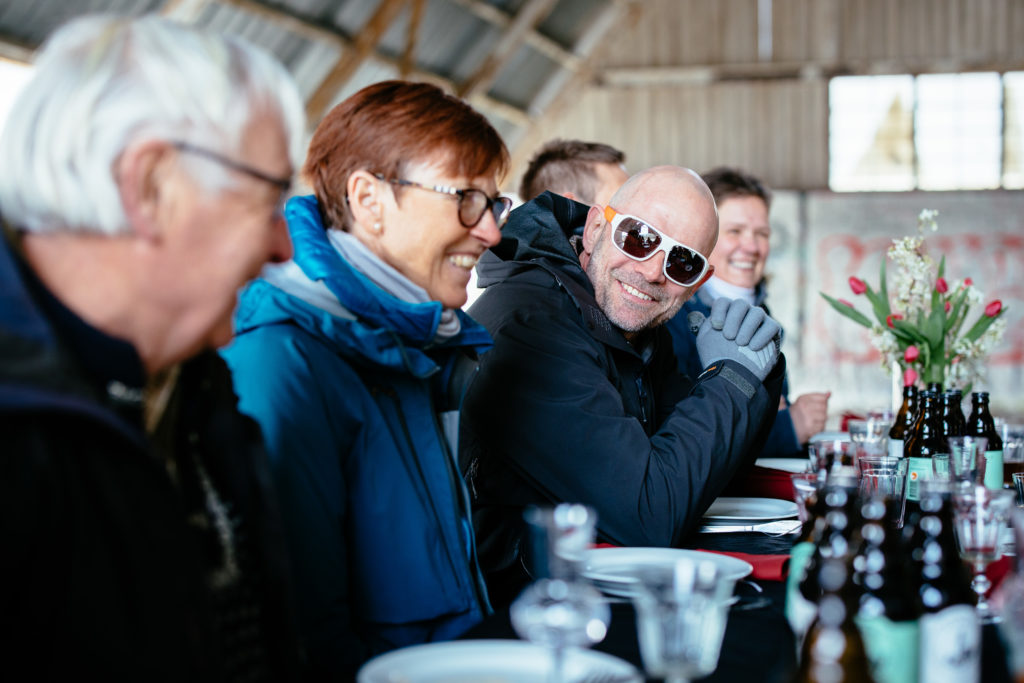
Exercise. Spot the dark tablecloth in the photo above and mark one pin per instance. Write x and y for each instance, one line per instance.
(758, 643)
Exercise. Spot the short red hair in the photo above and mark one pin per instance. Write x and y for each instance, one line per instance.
(387, 126)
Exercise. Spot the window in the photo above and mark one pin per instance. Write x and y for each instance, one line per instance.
(929, 132)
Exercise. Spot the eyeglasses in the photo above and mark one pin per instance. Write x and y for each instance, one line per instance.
(473, 203)
(638, 240)
(282, 184)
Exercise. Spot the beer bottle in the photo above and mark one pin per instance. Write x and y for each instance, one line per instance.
(949, 630)
(924, 442)
(980, 423)
(958, 411)
(886, 611)
(904, 421)
(952, 418)
(834, 650)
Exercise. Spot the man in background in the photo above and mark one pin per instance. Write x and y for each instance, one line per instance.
(580, 400)
(145, 166)
(744, 242)
(589, 172)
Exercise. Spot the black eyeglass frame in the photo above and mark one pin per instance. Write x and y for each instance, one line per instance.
(282, 184)
(490, 202)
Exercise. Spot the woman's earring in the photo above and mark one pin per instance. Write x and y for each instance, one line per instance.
(376, 226)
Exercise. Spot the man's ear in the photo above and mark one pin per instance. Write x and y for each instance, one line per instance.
(141, 171)
(592, 229)
(363, 192)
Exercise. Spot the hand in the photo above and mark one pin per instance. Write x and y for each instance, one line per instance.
(808, 413)
(737, 331)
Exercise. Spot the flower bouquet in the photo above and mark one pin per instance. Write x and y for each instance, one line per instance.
(920, 324)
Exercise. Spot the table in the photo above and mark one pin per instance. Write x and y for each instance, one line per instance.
(758, 643)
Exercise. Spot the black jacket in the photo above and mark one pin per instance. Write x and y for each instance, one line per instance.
(105, 570)
(564, 408)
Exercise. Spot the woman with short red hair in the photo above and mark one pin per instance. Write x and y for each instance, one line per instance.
(346, 357)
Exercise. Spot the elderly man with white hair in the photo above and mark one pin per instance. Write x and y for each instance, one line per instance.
(145, 166)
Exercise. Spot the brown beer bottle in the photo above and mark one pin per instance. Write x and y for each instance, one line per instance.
(923, 442)
(980, 423)
(904, 421)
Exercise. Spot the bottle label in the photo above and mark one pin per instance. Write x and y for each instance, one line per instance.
(950, 646)
(994, 469)
(800, 611)
(895, 448)
(888, 644)
(918, 470)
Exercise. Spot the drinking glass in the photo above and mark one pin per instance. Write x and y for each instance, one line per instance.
(560, 609)
(885, 478)
(1018, 486)
(967, 458)
(1013, 450)
(980, 515)
(805, 485)
(681, 614)
(870, 436)
(833, 457)
(940, 466)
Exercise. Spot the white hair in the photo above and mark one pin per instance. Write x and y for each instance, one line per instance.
(104, 82)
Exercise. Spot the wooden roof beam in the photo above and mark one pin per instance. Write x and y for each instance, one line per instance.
(538, 41)
(532, 13)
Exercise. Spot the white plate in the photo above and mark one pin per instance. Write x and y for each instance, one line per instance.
(489, 661)
(726, 509)
(616, 571)
(784, 464)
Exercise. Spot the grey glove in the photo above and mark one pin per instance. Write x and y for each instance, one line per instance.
(737, 331)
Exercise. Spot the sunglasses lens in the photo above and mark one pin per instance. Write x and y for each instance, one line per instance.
(685, 266)
(636, 239)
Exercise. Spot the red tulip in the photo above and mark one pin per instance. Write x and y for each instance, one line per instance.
(845, 303)
(911, 354)
(948, 306)
(909, 376)
(940, 286)
(892, 316)
(992, 310)
(857, 285)
(968, 282)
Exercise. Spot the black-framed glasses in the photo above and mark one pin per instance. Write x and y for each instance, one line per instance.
(284, 185)
(473, 203)
(640, 241)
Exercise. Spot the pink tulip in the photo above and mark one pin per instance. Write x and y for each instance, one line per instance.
(992, 310)
(845, 303)
(892, 316)
(857, 285)
(940, 286)
(909, 376)
(968, 282)
(911, 354)
(948, 306)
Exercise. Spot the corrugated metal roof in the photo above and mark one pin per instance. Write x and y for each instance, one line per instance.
(454, 44)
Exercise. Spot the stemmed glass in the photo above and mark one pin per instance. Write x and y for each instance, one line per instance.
(980, 515)
(560, 609)
(681, 614)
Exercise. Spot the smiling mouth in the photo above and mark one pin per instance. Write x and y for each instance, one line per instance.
(463, 261)
(742, 265)
(636, 292)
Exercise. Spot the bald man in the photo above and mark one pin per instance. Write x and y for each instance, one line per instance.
(580, 399)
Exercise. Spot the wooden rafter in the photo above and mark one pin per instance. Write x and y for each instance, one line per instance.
(408, 60)
(350, 59)
(538, 41)
(532, 13)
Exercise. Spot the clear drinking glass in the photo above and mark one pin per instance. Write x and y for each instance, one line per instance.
(805, 485)
(870, 436)
(885, 478)
(681, 615)
(980, 515)
(560, 609)
(1018, 486)
(833, 457)
(967, 458)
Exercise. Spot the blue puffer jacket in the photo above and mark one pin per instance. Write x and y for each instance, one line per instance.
(781, 441)
(357, 406)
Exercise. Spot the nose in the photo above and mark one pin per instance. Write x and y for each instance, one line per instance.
(653, 269)
(748, 242)
(280, 243)
(486, 230)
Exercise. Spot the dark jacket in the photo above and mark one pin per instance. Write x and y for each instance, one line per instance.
(105, 570)
(781, 441)
(358, 406)
(564, 408)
